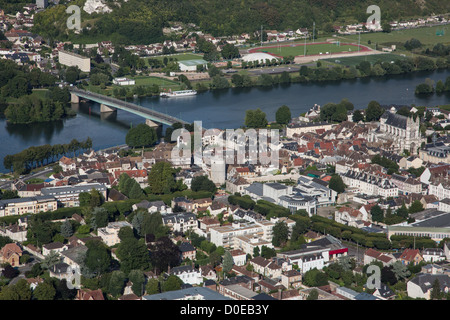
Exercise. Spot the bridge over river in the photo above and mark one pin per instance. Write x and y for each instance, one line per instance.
(110, 104)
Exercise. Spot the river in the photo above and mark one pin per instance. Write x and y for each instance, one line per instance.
(223, 109)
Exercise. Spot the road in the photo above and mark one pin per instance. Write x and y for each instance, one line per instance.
(41, 174)
(116, 103)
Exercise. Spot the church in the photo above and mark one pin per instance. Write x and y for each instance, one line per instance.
(403, 131)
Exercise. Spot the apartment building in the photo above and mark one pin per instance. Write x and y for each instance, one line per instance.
(68, 196)
(27, 205)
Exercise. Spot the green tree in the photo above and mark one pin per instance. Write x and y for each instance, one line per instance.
(44, 291)
(358, 116)
(374, 111)
(280, 234)
(416, 206)
(98, 258)
(400, 270)
(313, 295)
(161, 178)
(165, 253)
(152, 286)
(141, 136)
(436, 293)
(172, 283)
(203, 183)
(283, 115)
(377, 213)
(96, 198)
(133, 254)
(230, 51)
(336, 183)
(255, 119)
(51, 259)
(66, 229)
(116, 283)
(99, 218)
(227, 262)
(136, 191)
(19, 291)
(137, 278)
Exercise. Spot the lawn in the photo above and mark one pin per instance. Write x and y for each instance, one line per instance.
(311, 49)
(426, 35)
(354, 61)
(148, 81)
(180, 56)
(40, 93)
(144, 81)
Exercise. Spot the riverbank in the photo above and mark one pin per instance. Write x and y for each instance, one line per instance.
(310, 69)
(222, 109)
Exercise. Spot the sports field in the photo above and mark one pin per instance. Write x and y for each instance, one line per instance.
(356, 60)
(181, 56)
(311, 49)
(426, 35)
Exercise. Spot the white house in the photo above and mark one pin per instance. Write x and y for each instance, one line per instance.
(188, 274)
(124, 82)
(110, 233)
(433, 254)
(422, 285)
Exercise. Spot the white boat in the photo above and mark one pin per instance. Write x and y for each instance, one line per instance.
(180, 93)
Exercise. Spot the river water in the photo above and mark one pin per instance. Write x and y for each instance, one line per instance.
(223, 109)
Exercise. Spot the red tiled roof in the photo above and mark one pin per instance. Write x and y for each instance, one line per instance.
(409, 254)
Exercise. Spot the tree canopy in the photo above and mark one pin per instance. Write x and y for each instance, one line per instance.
(141, 136)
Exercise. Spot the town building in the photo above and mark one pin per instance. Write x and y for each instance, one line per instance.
(124, 82)
(71, 59)
(32, 205)
(402, 130)
(110, 233)
(422, 285)
(68, 196)
(191, 65)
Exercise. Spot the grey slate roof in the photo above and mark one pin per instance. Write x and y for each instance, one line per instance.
(395, 120)
(425, 281)
(206, 293)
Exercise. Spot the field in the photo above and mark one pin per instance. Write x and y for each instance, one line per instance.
(148, 81)
(311, 49)
(426, 35)
(180, 56)
(353, 61)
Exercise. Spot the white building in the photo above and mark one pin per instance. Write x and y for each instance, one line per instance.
(444, 205)
(188, 274)
(370, 184)
(402, 130)
(422, 285)
(225, 236)
(71, 59)
(180, 222)
(433, 255)
(191, 65)
(124, 82)
(307, 259)
(110, 233)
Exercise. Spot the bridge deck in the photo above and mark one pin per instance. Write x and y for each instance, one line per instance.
(127, 106)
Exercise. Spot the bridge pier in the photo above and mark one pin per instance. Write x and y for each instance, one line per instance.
(155, 125)
(74, 98)
(105, 108)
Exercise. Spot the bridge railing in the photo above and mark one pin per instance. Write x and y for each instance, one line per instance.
(126, 104)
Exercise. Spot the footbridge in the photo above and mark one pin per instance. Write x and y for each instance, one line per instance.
(110, 104)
